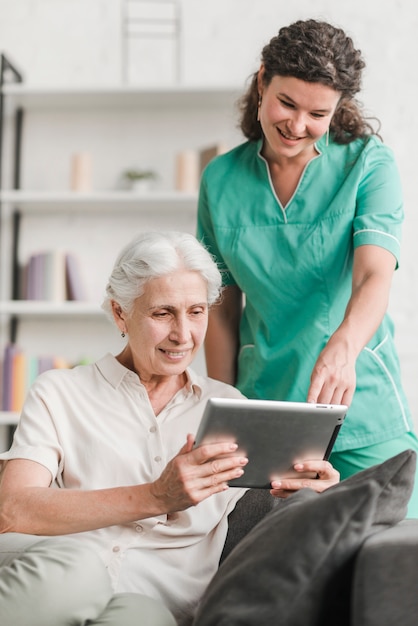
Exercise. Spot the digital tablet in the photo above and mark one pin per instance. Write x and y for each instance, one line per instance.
(273, 435)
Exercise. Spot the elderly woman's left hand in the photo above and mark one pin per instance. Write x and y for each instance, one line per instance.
(326, 476)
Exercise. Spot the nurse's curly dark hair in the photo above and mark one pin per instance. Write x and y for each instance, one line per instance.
(315, 52)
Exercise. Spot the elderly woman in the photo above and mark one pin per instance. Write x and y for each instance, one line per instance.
(106, 450)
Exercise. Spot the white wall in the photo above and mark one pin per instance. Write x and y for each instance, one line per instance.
(78, 42)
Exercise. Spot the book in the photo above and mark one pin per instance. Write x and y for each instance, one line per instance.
(18, 381)
(32, 370)
(9, 351)
(19, 371)
(73, 279)
(32, 283)
(52, 275)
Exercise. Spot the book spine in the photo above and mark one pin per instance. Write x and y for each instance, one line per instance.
(7, 377)
(18, 381)
(73, 279)
(18, 373)
(54, 287)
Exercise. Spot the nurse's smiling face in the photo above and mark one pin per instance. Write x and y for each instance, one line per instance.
(293, 115)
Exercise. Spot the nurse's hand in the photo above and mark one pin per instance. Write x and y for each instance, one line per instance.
(322, 476)
(333, 378)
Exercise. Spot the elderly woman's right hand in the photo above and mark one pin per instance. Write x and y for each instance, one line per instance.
(194, 474)
(324, 475)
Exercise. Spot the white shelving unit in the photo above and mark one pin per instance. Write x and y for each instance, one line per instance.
(8, 418)
(47, 203)
(55, 201)
(117, 124)
(26, 308)
(50, 97)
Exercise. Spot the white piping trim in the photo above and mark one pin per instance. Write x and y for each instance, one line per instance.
(379, 345)
(283, 208)
(374, 230)
(245, 347)
(383, 366)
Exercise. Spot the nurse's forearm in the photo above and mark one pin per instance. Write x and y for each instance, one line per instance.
(372, 277)
(222, 338)
(220, 354)
(364, 313)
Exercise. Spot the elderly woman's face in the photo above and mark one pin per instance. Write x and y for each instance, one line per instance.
(168, 324)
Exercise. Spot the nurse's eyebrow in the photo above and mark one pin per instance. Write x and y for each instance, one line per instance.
(286, 97)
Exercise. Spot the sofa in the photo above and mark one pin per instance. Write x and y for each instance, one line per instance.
(346, 557)
(384, 587)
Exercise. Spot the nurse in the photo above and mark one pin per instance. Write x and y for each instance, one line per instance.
(304, 219)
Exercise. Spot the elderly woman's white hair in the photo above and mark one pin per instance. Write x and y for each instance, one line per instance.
(153, 255)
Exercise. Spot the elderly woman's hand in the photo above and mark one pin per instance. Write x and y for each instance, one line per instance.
(324, 476)
(194, 474)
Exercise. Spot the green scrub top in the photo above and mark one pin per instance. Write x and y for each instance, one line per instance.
(294, 265)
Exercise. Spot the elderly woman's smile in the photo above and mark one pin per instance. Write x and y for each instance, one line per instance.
(173, 354)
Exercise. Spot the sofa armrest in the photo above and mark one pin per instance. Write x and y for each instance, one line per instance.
(385, 581)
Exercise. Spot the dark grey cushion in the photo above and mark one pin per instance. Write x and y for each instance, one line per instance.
(294, 567)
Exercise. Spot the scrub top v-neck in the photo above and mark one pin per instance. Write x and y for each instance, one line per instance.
(294, 265)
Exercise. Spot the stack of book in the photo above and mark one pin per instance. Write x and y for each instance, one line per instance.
(52, 275)
(19, 372)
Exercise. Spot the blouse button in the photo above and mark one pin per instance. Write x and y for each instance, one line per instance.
(138, 528)
(116, 548)
(157, 459)
(153, 429)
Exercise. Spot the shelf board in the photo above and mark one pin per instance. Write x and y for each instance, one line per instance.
(47, 201)
(8, 418)
(186, 96)
(46, 308)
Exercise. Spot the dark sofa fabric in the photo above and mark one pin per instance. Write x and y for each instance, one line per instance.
(250, 510)
(385, 583)
(296, 566)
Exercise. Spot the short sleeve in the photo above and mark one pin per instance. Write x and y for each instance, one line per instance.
(379, 211)
(205, 232)
(35, 438)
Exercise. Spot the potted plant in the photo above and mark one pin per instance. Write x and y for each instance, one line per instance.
(139, 179)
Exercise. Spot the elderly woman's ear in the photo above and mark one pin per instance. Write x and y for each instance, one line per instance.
(119, 316)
